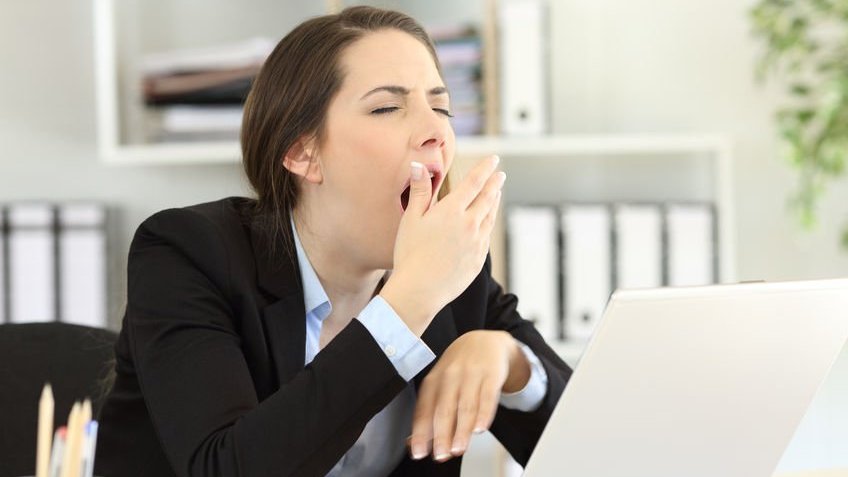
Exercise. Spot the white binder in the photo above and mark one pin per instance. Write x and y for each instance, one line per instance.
(639, 253)
(690, 244)
(523, 56)
(533, 264)
(31, 263)
(587, 265)
(82, 252)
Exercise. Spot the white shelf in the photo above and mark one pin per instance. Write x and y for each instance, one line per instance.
(550, 145)
(226, 152)
(606, 144)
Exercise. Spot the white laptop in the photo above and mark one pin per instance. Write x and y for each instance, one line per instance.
(689, 382)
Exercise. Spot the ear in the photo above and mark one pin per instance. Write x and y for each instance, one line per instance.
(301, 160)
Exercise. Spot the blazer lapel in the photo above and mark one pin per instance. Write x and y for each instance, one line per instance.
(285, 322)
(284, 317)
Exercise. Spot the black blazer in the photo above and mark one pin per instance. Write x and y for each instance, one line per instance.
(210, 375)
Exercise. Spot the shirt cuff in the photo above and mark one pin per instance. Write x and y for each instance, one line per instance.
(531, 396)
(406, 351)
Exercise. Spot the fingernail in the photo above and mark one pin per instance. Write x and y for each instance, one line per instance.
(442, 456)
(418, 452)
(496, 160)
(479, 430)
(440, 452)
(458, 448)
(501, 178)
(417, 170)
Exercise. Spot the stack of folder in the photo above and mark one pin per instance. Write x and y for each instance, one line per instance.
(565, 260)
(197, 94)
(459, 49)
(53, 263)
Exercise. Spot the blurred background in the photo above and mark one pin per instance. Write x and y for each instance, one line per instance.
(650, 102)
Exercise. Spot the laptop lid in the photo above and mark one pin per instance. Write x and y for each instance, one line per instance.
(698, 381)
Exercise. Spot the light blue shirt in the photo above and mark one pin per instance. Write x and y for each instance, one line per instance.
(381, 445)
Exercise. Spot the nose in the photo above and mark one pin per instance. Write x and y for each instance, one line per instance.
(432, 131)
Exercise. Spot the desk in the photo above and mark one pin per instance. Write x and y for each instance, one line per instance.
(815, 473)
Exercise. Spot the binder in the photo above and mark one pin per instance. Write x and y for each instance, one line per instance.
(82, 267)
(691, 244)
(533, 265)
(32, 263)
(638, 246)
(4, 268)
(523, 51)
(587, 264)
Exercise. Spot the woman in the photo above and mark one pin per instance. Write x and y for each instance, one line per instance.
(345, 321)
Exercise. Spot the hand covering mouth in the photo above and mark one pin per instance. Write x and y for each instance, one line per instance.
(434, 181)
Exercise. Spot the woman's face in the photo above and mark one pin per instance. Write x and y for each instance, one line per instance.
(390, 110)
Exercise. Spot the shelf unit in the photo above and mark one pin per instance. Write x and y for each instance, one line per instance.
(570, 150)
(617, 150)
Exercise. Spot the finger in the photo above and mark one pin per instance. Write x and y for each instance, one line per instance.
(488, 405)
(474, 182)
(420, 189)
(482, 204)
(466, 415)
(443, 186)
(489, 222)
(444, 418)
(422, 420)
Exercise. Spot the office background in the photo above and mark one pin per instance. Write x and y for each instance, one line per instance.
(635, 66)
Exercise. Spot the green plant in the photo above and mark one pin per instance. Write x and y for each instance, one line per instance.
(806, 49)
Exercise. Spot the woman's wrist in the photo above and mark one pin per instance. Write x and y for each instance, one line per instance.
(519, 367)
(416, 314)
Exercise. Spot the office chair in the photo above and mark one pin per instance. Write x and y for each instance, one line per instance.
(74, 359)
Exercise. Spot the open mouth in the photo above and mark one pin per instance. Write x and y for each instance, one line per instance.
(404, 196)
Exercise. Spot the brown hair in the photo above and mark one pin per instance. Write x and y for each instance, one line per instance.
(289, 100)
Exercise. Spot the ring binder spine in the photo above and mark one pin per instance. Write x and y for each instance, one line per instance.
(56, 229)
(5, 270)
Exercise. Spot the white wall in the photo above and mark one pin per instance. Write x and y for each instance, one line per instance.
(617, 66)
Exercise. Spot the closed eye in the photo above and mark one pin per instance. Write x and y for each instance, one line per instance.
(385, 110)
(392, 109)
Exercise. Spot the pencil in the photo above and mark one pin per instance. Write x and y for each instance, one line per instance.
(72, 440)
(45, 431)
(58, 451)
(90, 448)
(76, 457)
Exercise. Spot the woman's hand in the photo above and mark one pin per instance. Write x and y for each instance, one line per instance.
(461, 393)
(439, 249)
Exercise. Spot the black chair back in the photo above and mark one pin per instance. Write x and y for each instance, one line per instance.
(75, 360)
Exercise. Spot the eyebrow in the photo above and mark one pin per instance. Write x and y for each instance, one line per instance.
(401, 91)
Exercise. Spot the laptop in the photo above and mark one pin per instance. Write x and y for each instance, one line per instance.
(695, 382)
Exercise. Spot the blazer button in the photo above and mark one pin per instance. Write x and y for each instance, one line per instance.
(390, 350)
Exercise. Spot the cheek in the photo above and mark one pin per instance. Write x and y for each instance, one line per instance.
(370, 159)
(373, 140)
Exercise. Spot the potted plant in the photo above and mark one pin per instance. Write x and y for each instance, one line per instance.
(806, 50)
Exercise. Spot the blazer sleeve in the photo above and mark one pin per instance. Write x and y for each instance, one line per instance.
(519, 431)
(196, 384)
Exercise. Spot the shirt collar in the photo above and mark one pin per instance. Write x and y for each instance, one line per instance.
(314, 297)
